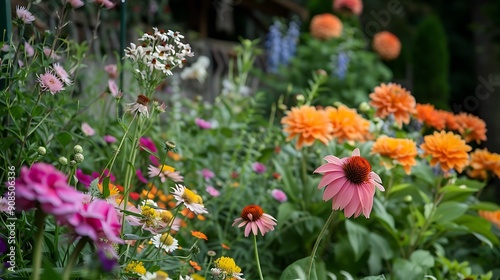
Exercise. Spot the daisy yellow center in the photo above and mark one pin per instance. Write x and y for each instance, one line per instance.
(166, 216)
(228, 265)
(167, 168)
(167, 239)
(149, 212)
(135, 267)
(357, 170)
(251, 213)
(190, 197)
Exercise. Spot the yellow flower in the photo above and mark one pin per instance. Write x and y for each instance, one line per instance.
(135, 267)
(113, 190)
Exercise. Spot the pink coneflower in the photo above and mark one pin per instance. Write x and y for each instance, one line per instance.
(61, 73)
(87, 129)
(164, 172)
(259, 168)
(146, 142)
(254, 219)
(279, 195)
(203, 124)
(207, 174)
(30, 51)
(350, 183)
(212, 191)
(49, 82)
(112, 70)
(24, 15)
(109, 139)
(114, 90)
(75, 3)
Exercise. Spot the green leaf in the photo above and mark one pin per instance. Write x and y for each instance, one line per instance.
(105, 186)
(49, 272)
(422, 258)
(298, 270)
(479, 227)
(488, 206)
(456, 193)
(382, 214)
(16, 111)
(407, 270)
(380, 246)
(449, 211)
(285, 211)
(357, 235)
(64, 138)
(380, 277)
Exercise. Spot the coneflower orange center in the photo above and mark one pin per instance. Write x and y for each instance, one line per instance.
(251, 213)
(357, 170)
(142, 99)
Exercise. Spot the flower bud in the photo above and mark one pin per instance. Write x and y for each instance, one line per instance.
(72, 163)
(364, 107)
(41, 151)
(63, 161)
(300, 97)
(211, 253)
(170, 145)
(77, 149)
(321, 72)
(408, 198)
(79, 157)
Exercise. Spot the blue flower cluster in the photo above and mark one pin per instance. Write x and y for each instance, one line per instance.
(341, 65)
(281, 46)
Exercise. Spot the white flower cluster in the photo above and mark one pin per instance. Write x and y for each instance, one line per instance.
(161, 51)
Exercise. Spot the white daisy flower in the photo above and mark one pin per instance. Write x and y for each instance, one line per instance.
(166, 242)
(191, 200)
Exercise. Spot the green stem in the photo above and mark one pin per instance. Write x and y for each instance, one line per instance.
(37, 254)
(257, 256)
(73, 258)
(318, 241)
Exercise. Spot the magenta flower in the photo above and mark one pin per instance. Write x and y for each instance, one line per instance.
(141, 178)
(146, 142)
(83, 178)
(87, 129)
(207, 174)
(350, 183)
(23, 14)
(203, 124)
(45, 187)
(154, 160)
(254, 219)
(49, 82)
(112, 71)
(279, 195)
(109, 139)
(259, 168)
(105, 174)
(212, 191)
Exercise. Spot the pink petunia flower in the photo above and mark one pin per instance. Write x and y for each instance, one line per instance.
(61, 73)
(350, 183)
(30, 51)
(259, 168)
(207, 174)
(49, 82)
(203, 124)
(164, 172)
(75, 3)
(87, 129)
(112, 71)
(212, 191)
(109, 139)
(45, 187)
(279, 195)
(254, 219)
(23, 14)
(146, 142)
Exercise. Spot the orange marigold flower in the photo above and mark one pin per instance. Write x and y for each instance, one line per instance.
(348, 6)
(387, 45)
(483, 161)
(325, 26)
(471, 127)
(447, 149)
(199, 234)
(393, 99)
(403, 151)
(195, 265)
(492, 216)
(449, 119)
(347, 124)
(309, 124)
(430, 116)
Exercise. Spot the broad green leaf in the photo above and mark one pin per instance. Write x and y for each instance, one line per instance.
(456, 193)
(422, 258)
(64, 138)
(449, 211)
(473, 184)
(285, 211)
(479, 227)
(404, 269)
(382, 214)
(357, 235)
(379, 246)
(298, 270)
(488, 206)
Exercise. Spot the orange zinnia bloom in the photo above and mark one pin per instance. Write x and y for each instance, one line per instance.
(430, 116)
(387, 45)
(471, 127)
(447, 149)
(403, 151)
(309, 124)
(225, 247)
(325, 26)
(349, 6)
(449, 119)
(483, 161)
(195, 265)
(492, 216)
(393, 99)
(199, 234)
(347, 124)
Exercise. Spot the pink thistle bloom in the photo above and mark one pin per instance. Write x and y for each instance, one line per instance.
(146, 142)
(24, 15)
(259, 168)
(212, 191)
(98, 221)
(49, 53)
(164, 172)
(49, 82)
(75, 3)
(203, 124)
(207, 174)
(30, 51)
(114, 90)
(254, 219)
(350, 183)
(279, 195)
(112, 70)
(61, 73)
(141, 178)
(45, 187)
(109, 139)
(87, 129)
